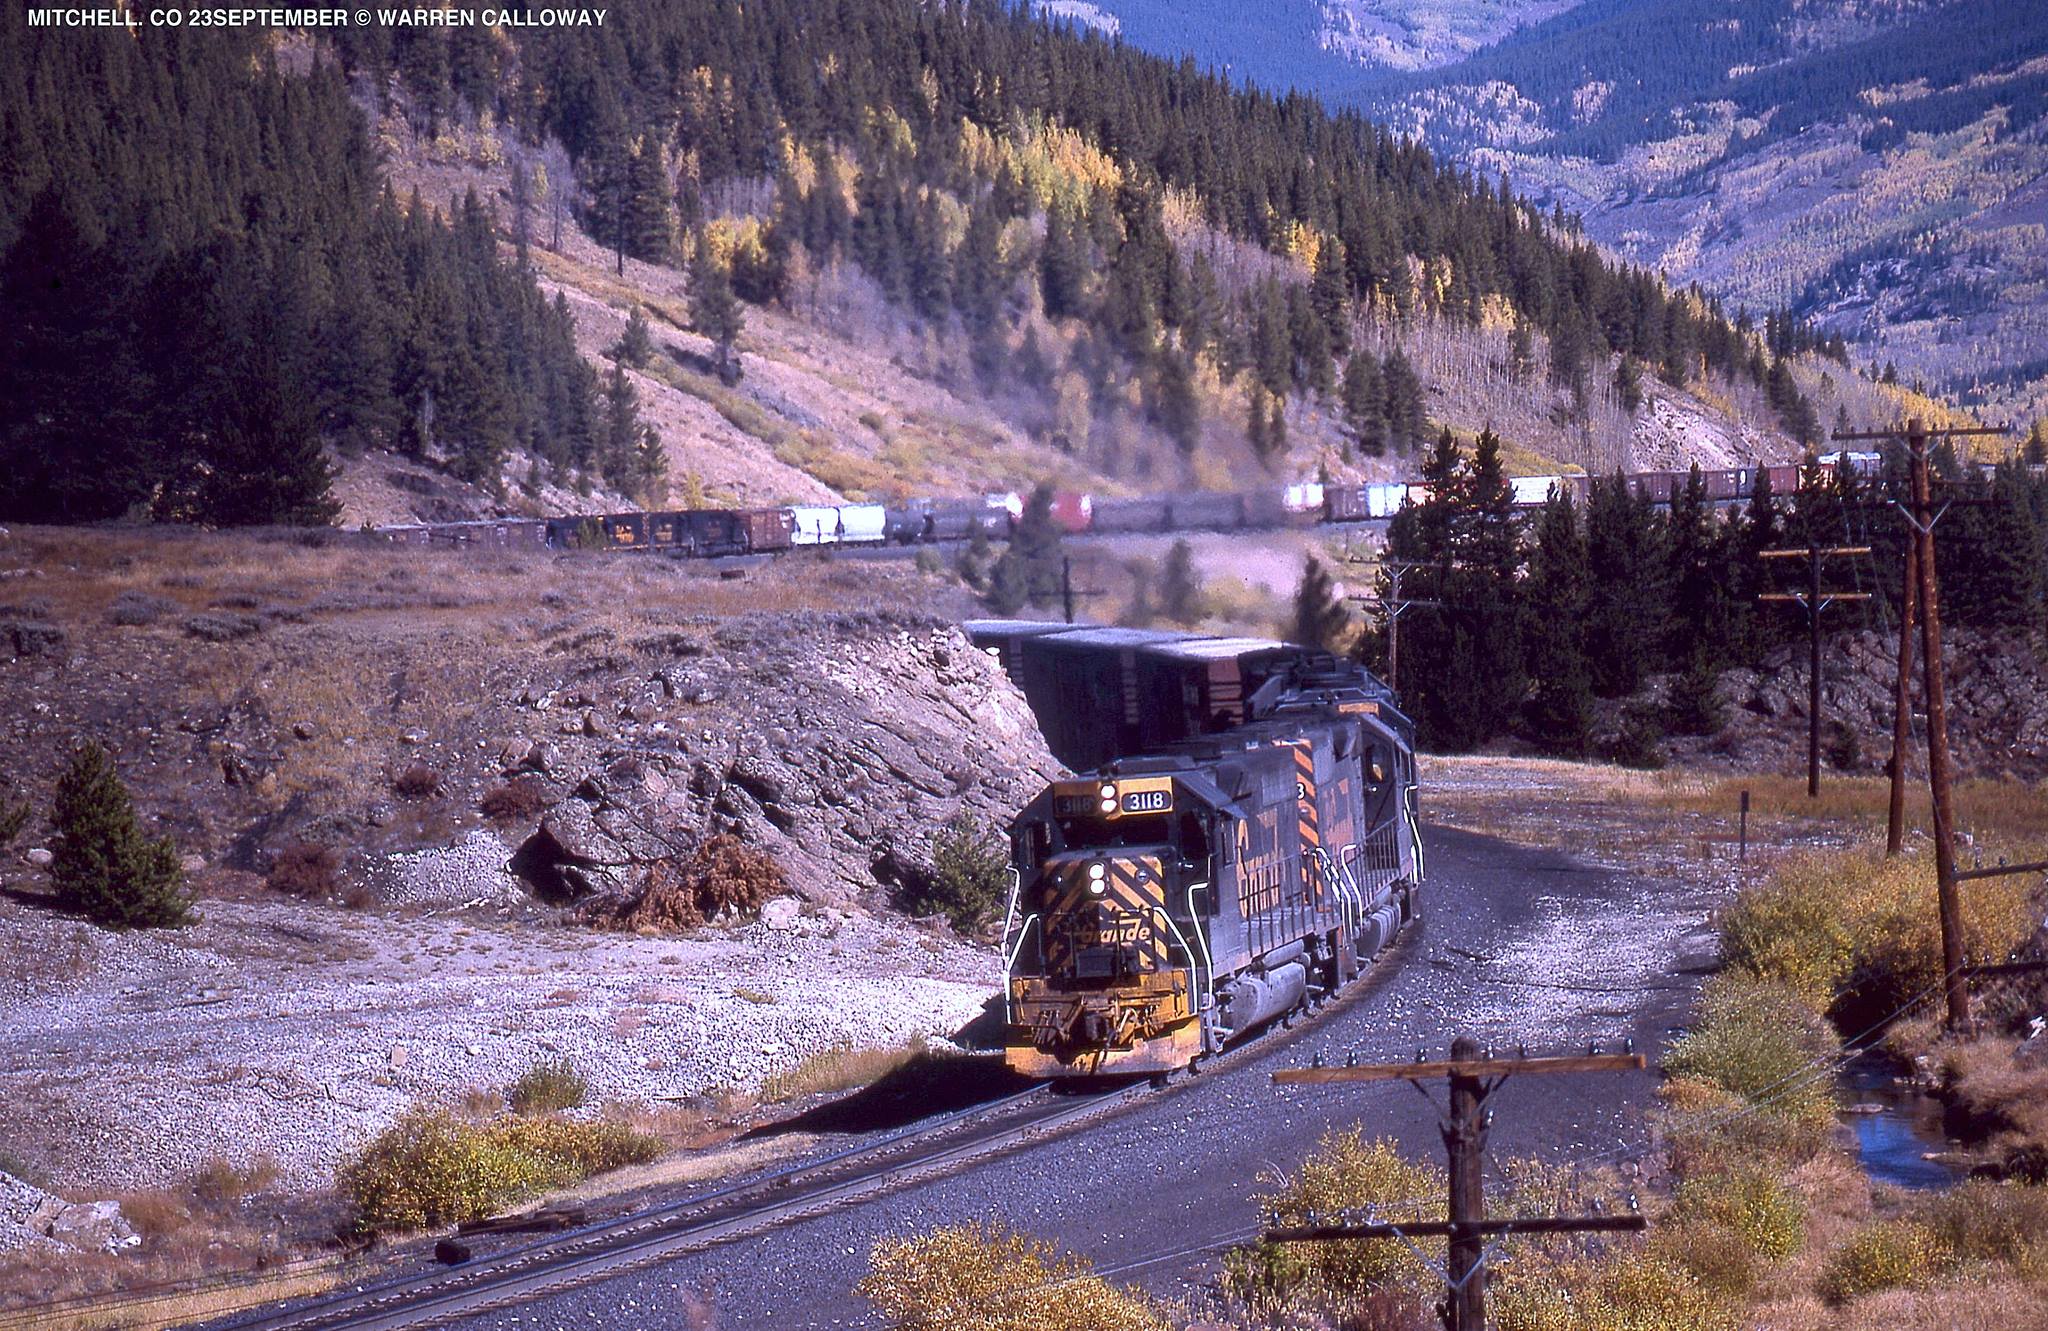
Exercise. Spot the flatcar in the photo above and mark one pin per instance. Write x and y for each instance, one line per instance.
(1170, 902)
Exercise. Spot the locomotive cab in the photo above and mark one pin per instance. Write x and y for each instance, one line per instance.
(1102, 964)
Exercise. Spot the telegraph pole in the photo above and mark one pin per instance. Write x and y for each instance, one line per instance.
(1940, 764)
(1474, 1076)
(1815, 601)
(1393, 605)
(1902, 704)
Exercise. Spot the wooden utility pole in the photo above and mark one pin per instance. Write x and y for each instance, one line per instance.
(1902, 704)
(1940, 766)
(1393, 605)
(1474, 1076)
(1815, 602)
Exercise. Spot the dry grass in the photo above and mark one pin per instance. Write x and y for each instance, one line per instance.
(844, 1068)
(1858, 935)
(433, 1169)
(994, 1279)
(2011, 814)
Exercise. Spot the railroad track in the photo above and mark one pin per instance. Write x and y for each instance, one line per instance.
(640, 1238)
(911, 1156)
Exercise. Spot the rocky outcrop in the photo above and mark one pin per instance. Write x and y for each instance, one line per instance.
(837, 743)
(1997, 690)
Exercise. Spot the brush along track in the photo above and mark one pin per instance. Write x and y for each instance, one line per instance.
(914, 1156)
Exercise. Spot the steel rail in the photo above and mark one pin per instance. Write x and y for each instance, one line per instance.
(855, 1174)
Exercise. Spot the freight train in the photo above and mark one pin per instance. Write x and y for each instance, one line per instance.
(711, 533)
(1245, 849)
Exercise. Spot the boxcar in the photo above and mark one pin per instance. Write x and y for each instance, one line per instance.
(1303, 497)
(1138, 515)
(1205, 509)
(1072, 511)
(1344, 503)
(768, 528)
(1082, 686)
(1265, 508)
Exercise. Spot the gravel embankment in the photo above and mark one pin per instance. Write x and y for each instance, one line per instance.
(274, 1028)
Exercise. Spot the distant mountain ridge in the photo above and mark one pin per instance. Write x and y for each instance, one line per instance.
(1874, 165)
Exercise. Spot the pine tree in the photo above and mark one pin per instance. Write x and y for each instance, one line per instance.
(1330, 296)
(1631, 592)
(1521, 351)
(1180, 590)
(619, 452)
(266, 466)
(714, 310)
(635, 346)
(1319, 617)
(1559, 715)
(1009, 584)
(650, 469)
(973, 563)
(101, 866)
(648, 224)
(1628, 384)
(1407, 423)
(1063, 264)
(1039, 543)
(1364, 406)
(1178, 408)
(2036, 452)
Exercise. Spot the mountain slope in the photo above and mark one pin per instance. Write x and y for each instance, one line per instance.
(1877, 169)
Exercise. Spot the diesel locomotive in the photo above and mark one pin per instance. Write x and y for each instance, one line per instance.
(1251, 862)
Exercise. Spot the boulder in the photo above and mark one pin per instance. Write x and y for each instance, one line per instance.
(89, 1226)
(782, 913)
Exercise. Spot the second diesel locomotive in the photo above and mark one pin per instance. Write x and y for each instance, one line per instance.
(1174, 900)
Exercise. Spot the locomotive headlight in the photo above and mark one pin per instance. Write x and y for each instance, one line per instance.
(1095, 883)
(1108, 791)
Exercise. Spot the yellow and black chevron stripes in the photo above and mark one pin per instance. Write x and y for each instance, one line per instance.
(1305, 794)
(1124, 915)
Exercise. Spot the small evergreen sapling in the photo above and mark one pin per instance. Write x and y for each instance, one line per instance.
(103, 868)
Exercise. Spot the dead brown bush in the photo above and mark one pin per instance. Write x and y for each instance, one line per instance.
(306, 869)
(417, 782)
(515, 800)
(724, 878)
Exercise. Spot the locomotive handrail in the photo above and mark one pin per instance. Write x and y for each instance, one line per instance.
(1010, 964)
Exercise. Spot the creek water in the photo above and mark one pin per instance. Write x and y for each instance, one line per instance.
(1896, 1127)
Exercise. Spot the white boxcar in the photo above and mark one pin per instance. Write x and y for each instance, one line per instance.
(1303, 497)
(847, 524)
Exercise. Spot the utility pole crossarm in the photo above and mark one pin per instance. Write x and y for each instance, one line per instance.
(2001, 871)
(1473, 1078)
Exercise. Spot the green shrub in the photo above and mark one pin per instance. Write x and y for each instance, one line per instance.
(1721, 1260)
(1639, 743)
(1858, 936)
(1893, 1254)
(1639, 1291)
(1752, 1203)
(433, 1169)
(1757, 1040)
(1345, 1172)
(102, 867)
(547, 1086)
(970, 874)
